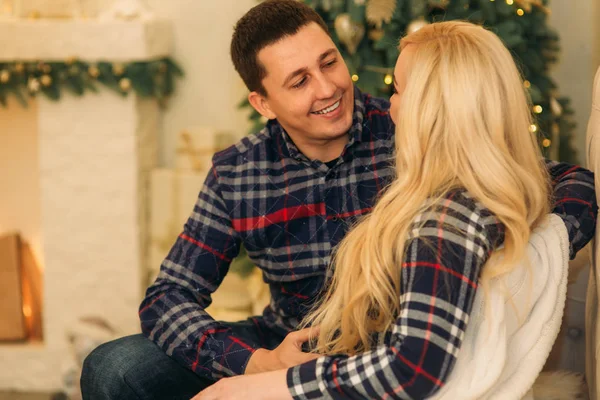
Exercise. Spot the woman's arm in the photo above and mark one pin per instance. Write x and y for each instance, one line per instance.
(264, 386)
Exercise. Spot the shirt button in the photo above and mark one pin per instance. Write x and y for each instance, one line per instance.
(334, 219)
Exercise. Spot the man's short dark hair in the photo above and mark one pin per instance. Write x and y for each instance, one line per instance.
(262, 26)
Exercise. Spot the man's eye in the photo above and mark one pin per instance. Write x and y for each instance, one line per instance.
(330, 63)
(300, 84)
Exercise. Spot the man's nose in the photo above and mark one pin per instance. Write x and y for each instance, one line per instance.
(325, 87)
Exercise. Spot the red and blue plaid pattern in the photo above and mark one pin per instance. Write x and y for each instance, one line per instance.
(446, 249)
(290, 212)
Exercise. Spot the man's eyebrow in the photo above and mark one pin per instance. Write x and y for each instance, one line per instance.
(303, 70)
(294, 74)
(327, 54)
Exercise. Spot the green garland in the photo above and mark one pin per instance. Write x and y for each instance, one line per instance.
(149, 79)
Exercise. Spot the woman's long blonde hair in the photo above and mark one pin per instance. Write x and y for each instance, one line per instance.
(464, 122)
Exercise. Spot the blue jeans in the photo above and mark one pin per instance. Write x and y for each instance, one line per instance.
(133, 367)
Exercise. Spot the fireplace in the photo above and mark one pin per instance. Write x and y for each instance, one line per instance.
(20, 254)
(75, 180)
(20, 291)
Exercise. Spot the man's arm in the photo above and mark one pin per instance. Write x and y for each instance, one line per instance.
(172, 314)
(575, 201)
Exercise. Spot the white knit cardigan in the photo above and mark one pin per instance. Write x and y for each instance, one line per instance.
(507, 342)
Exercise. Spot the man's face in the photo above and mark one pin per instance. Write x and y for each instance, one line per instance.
(309, 89)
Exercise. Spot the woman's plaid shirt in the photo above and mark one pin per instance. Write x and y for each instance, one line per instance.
(290, 212)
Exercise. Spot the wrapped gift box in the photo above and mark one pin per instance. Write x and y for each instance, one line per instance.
(20, 291)
(240, 297)
(12, 320)
(259, 292)
(196, 147)
(172, 197)
(231, 301)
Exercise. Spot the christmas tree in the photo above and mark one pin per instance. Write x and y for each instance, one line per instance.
(367, 33)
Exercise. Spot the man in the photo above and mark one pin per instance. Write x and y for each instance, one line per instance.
(289, 194)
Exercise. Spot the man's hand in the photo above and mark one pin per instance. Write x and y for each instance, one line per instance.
(287, 354)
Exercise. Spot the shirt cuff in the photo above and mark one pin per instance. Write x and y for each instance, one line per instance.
(236, 354)
(303, 382)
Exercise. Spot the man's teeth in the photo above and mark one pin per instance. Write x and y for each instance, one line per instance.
(329, 109)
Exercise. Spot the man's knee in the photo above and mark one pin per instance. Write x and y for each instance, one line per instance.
(104, 369)
(135, 368)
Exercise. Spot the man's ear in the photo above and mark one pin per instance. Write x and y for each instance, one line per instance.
(261, 104)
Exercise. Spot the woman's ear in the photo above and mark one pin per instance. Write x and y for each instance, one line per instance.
(261, 104)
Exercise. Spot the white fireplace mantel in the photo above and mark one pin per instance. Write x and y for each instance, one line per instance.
(90, 40)
(95, 154)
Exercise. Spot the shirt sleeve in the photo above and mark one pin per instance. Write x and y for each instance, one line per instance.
(574, 201)
(173, 312)
(444, 255)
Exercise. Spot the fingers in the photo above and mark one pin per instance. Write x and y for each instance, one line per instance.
(304, 335)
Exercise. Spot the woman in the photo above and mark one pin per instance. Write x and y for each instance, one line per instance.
(470, 189)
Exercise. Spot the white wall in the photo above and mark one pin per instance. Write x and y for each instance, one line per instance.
(211, 89)
(576, 23)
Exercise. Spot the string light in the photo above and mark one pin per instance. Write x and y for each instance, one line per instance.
(46, 80)
(533, 128)
(538, 109)
(94, 71)
(354, 78)
(388, 79)
(118, 69)
(527, 84)
(520, 12)
(546, 142)
(125, 84)
(4, 76)
(510, 2)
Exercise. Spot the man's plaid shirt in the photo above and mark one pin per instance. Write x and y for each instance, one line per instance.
(290, 212)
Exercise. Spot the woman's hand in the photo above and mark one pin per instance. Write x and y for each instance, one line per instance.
(265, 386)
